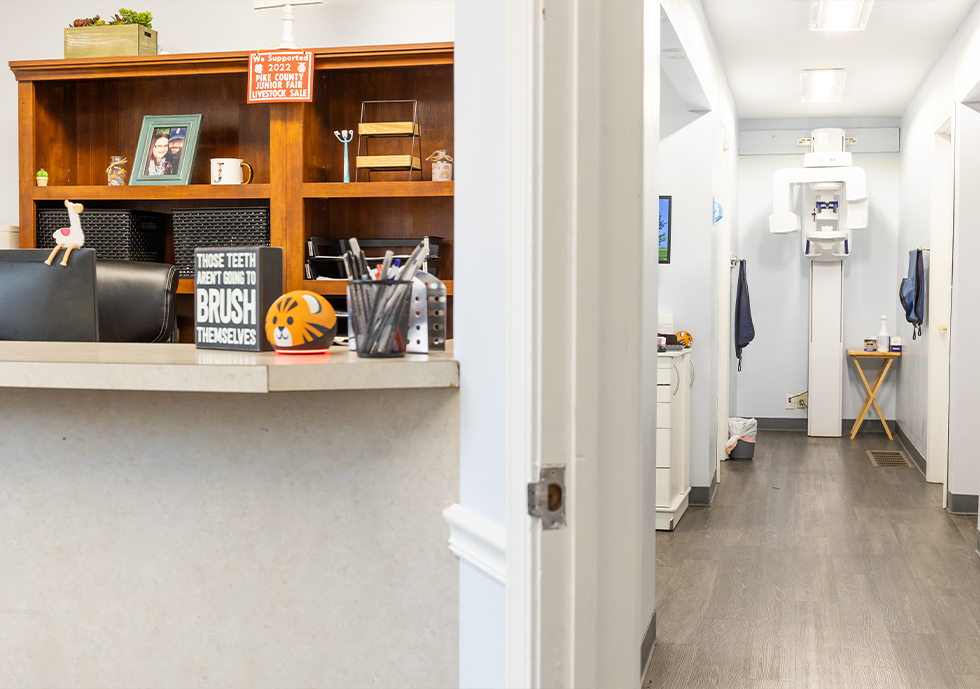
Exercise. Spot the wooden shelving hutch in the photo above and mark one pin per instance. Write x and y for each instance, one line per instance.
(75, 114)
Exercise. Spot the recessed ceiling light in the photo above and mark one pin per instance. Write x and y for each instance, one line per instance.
(822, 85)
(840, 15)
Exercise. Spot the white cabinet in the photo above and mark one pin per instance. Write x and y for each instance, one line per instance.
(675, 376)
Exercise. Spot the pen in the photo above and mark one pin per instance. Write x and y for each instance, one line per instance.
(386, 263)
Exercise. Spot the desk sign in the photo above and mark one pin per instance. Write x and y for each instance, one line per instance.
(233, 289)
(280, 76)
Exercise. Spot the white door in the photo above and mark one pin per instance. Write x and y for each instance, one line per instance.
(935, 329)
(578, 317)
(963, 472)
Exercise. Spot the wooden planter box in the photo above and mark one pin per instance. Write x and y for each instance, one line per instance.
(109, 41)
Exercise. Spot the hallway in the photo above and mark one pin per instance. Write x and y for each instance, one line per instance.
(815, 569)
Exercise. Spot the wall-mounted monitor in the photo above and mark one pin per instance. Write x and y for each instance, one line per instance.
(664, 229)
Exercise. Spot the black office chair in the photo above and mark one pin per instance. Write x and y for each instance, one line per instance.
(136, 301)
(52, 303)
(87, 301)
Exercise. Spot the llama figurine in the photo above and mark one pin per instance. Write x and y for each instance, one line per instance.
(70, 237)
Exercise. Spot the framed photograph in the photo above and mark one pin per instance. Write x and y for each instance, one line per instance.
(665, 229)
(167, 149)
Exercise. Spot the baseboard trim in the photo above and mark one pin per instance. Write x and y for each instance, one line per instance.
(917, 459)
(961, 504)
(649, 640)
(781, 424)
(870, 425)
(477, 541)
(703, 495)
(797, 424)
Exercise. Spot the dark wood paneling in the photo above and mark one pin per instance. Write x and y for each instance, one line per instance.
(84, 123)
(27, 150)
(55, 130)
(385, 217)
(340, 93)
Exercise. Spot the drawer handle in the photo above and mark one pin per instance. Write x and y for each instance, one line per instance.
(677, 373)
(693, 373)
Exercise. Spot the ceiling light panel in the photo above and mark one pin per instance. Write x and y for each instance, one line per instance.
(822, 85)
(840, 15)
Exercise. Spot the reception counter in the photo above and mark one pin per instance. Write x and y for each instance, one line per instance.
(179, 517)
(184, 368)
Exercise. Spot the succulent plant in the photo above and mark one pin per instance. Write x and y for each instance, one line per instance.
(133, 17)
(41, 173)
(124, 16)
(92, 21)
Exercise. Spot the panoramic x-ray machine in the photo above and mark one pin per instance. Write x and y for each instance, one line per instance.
(834, 202)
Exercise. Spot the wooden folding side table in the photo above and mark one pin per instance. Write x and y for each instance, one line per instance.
(886, 363)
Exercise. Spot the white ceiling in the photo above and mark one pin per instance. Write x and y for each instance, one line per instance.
(765, 43)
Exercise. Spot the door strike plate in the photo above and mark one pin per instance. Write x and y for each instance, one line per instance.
(546, 498)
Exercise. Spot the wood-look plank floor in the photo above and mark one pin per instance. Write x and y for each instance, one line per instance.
(812, 570)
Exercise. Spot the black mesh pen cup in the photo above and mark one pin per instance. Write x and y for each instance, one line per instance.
(379, 316)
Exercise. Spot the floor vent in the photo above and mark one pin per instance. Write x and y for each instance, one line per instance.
(888, 458)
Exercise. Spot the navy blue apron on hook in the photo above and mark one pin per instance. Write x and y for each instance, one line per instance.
(744, 329)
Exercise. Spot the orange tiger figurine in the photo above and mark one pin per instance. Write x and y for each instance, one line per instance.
(301, 322)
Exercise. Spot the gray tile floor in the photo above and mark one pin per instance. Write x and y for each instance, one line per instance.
(815, 569)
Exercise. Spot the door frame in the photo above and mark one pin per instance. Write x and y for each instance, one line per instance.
(939, 308)
(963, 471)
(575, 394)
(724, 296)
(523, 213)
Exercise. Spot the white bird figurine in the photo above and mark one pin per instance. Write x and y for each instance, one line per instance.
(71, 237)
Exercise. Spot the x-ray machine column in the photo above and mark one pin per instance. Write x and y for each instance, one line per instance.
(834, 202)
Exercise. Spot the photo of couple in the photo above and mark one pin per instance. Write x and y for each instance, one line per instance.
(165, 151)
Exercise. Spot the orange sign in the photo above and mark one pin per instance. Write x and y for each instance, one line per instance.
(280, 76)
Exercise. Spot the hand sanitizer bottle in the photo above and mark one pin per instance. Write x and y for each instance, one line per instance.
(883, 339)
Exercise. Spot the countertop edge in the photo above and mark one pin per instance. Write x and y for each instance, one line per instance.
(249, 378)
(394, 375)
(59, 375)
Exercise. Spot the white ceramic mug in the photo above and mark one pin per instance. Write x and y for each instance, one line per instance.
(230, 171)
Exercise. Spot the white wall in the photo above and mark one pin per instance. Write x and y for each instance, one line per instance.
(481, 92)
(918, 133)
(689, 286)
(35, 30)
(482, 621)
(684, 285)
(673, 113)
(779, 279)
(964, 465)
(952, 78)
(656, 91)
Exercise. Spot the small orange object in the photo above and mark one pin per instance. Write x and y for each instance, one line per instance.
(684, 338)
(301, 322)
